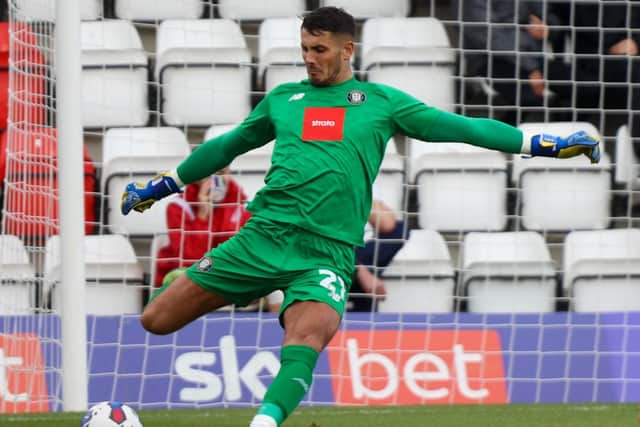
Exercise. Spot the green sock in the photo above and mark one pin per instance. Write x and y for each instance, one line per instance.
(292, 382)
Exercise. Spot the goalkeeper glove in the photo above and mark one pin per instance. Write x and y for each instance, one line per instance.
(573, 145)
(139, 196)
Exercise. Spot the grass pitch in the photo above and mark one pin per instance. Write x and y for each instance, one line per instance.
(584, 415)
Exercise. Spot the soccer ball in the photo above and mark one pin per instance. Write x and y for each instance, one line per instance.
(110, 414)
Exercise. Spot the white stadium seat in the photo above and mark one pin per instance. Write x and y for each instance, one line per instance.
(371, 8)
(157, 10)
(17, 277)
(253, 10)
(411, 54)
(459, 187)
(562, 194)
(420, 278)
(138, 154)
(45, 10)
(250, 168)
(507, 272)
(627, 172)
(602, 270)
(114, 75)
(113, 275)
(390, 182)
(280, 59)
(204, 71)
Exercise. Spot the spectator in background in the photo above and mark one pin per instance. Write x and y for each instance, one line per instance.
(386, 237)
(604, 70)
(209, 212)
(504, 40)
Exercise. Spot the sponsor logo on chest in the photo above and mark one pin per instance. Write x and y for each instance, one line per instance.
(323, 124)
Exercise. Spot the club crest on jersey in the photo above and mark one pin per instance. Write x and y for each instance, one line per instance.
(356, 97)
(205, 264)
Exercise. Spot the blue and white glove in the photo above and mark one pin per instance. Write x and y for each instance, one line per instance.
(571, 146)
(140, 196)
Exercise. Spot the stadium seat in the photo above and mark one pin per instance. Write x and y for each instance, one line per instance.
(280, 60)
(45, 10)
(562, 194)
(158, 10)
(420, 278)
(138, 154)
(114, 75)
(390, 182)
(31, 184)
(204, 71)
(113, 275)
(250, 168)
(371, 8)
(507, 272)
(17, 277)
(411, 54)
(459, 187)
(627, 172)
(602, 270)
(28, 102)
(253, 10)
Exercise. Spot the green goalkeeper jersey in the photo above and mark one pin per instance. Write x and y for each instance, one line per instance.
(330, 142)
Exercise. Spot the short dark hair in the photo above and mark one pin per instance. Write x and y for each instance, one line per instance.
(330, 19)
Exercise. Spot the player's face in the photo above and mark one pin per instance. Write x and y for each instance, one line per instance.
(326, 56)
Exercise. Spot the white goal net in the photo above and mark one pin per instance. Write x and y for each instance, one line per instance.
(507, 279)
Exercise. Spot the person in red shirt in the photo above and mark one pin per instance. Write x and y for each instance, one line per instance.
(209, 212)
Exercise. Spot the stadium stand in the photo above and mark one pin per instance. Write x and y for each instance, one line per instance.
(411, 54)
(250, 168)
(17, 277)
(204, 71)
(158, 241)
(31, 183)
(627, 164)
(391, 182)
(507, 272)
(113, 275)
(157, 10)
(114, 75)
(29, 80)
(251, 10)
(562, 194)
(602, 270)
(361, 9)
(279, 52)
(421, 277)
(44, 10)
(137, 153)
(459, 187)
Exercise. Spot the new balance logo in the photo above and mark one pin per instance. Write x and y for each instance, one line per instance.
(302, 382)
(296, 97)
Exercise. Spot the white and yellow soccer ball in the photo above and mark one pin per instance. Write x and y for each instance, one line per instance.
(110, 414)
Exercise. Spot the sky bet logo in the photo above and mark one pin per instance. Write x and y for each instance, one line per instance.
(417, 367)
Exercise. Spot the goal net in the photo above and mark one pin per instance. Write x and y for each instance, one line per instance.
(505, 280)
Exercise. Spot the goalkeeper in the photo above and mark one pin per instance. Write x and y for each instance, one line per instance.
(330, 132)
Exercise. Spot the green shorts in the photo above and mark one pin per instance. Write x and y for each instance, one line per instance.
(265, 256)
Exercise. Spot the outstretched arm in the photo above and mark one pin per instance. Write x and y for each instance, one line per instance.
(425, 123)
(205, 160)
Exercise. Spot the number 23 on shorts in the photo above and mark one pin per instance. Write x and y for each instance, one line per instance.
(333, 283)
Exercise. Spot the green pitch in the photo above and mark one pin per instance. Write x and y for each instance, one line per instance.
(587, 415)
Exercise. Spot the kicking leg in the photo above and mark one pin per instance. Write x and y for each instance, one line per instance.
(177, 305)
(309, 326)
